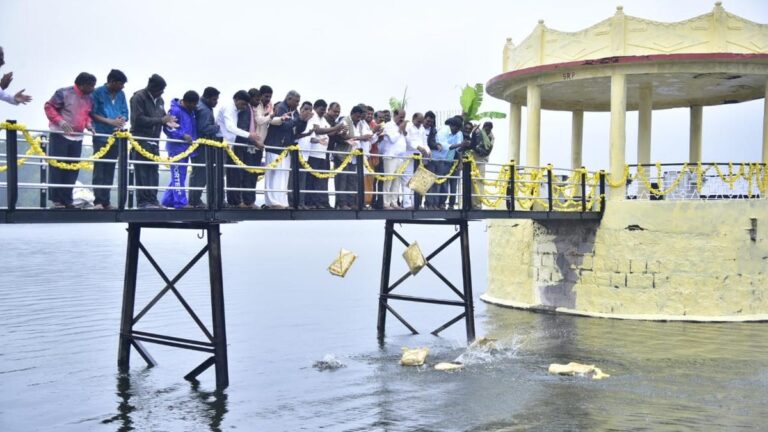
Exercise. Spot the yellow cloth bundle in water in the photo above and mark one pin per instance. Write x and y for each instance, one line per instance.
(414, 258)
(574, 368)
(422, 180)
(449, 366)
(342, 263)
(414, 356)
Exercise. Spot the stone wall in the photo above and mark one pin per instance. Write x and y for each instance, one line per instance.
(645, 260)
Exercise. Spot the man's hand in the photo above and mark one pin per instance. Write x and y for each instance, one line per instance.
(118, 122)
(188, 138)
(170, 121)
(366, 137)
(439, 147)
(66, 127)
(5, 81)
(21, 98)
(253, 136)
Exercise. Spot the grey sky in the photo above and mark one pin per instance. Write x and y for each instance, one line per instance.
(345, 51)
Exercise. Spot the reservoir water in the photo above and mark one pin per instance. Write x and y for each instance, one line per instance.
(60, 295)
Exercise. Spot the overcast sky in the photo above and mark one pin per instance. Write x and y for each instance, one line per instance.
(348, 52)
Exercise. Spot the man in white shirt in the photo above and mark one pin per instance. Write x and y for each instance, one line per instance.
(416, 140)
(319, 129)
(227, 119)
(392, 147)
(5, 81)
(355, 138)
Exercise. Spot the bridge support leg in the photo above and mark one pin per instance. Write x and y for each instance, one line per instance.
(389, 229)
(465, 295)
(216, 341)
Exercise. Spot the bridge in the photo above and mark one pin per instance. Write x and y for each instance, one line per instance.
(505, 191)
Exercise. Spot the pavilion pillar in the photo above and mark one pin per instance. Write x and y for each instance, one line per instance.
(694, 152)
(577, 138)
(533, 141)
(645, 110)
(514, 132)
(645, 115)
(618, 138)
(765, 126)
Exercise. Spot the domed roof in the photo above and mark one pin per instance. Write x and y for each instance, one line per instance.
(711, 59)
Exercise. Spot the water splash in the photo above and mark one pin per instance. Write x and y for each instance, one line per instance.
(489, 353)
(329, 362)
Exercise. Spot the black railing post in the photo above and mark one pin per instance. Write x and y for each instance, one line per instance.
(219, 179)
(11, 158)
(549, 186)
(210, 176)
(43, 175)
(583, 189)
(511, 191)
(295, 184)
(360, 181)
(602, 191)
(416, 196)
(466, 177)
(122, 172)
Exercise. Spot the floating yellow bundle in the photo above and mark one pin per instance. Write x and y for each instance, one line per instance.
(484, 342)
(414, 356)
(414, 258)
(449, 366)
(342, 263)
(422, 180)
(573, 368)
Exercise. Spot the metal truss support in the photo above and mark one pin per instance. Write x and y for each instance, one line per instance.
(465, 295)
(216, 341)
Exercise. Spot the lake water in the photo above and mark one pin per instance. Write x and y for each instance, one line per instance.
(60, 294)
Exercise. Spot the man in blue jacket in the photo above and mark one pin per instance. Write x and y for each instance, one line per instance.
(184, 111)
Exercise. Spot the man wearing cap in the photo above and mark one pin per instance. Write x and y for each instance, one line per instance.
(147, 119)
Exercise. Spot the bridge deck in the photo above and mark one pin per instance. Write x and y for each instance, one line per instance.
(20, 216)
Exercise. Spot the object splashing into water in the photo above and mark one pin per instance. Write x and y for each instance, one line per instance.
(329, 362)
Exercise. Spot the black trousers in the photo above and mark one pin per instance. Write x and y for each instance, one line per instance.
(103, 172)
(302, 187)
(346, 181)
(198, 177)
(60, 146)
(146, 175)
(242, 179)
(378, 200)
(317, 184)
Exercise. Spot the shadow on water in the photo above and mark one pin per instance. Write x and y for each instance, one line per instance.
(208, 407)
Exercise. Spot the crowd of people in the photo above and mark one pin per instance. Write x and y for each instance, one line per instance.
(260, 131)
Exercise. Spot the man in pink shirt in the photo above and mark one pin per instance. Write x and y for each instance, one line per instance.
(69, 114)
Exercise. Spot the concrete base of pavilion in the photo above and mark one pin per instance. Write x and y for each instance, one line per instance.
(647, 260)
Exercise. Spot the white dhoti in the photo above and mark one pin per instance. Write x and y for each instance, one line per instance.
(276, 181)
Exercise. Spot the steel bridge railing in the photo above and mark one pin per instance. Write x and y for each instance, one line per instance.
(24, 179)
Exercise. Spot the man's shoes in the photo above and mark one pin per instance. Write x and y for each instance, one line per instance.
(199, 206)
(150, 207)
